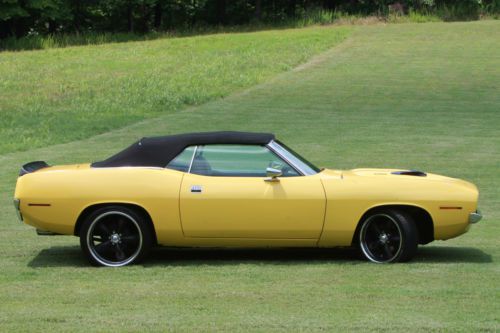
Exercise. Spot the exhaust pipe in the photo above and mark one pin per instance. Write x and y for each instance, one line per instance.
(40, 232)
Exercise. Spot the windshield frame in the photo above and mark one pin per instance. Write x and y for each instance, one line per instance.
(293, 158)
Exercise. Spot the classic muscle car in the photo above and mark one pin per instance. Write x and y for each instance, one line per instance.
(234, 189)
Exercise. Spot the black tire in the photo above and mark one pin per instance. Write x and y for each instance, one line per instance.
(115, 236)
(388, 236)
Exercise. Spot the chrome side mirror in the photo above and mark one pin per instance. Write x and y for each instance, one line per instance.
(273, 175)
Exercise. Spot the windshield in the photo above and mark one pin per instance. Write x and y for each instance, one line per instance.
(306, 167)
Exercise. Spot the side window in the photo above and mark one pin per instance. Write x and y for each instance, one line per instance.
(182, 161)
(238, 161)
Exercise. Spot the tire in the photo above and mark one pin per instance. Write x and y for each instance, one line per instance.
(115, 236)
(388, 236)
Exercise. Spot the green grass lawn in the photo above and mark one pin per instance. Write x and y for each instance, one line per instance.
(60, 95)
(406, 96)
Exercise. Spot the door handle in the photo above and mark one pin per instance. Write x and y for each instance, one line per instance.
(196, 189)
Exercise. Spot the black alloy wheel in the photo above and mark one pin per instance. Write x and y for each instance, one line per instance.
(388, 236)
(115, 236)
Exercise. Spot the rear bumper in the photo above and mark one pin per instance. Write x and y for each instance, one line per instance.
(475, 217)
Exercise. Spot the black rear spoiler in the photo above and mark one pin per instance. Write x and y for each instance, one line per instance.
(32, 167)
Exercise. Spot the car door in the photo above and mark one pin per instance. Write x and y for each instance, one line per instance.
(226, 194)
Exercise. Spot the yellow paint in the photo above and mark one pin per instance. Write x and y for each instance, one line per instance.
(319, 210)
(249, 207)
(352, 193)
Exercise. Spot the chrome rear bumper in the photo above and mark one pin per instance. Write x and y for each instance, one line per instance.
(475, 217)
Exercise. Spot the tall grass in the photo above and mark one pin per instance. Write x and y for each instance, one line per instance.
(40, 42)
(413, 17)
(310, 17)
(320, 17)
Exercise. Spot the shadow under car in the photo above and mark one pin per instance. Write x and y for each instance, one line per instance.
(61, 256)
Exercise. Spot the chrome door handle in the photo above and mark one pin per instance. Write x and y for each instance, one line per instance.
(196, 189)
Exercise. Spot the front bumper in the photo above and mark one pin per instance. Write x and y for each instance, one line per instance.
(17, 205)
(475, 217)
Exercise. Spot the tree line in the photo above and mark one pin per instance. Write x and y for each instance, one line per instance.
(25, 17)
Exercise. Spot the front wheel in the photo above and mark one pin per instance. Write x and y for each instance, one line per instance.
(388, 236)
(115, 236)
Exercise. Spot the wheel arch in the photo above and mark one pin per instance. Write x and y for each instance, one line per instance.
(423, 220)
(93, 207)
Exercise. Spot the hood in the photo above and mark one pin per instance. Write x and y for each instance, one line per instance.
(403, 176)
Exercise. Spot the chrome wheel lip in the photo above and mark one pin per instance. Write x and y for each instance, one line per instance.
(364, 247)
(93, 252)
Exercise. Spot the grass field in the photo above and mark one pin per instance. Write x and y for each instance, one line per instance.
(60, 95)
(406, 96)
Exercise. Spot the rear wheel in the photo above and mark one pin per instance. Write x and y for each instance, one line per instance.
(388, 236)
(115, 236)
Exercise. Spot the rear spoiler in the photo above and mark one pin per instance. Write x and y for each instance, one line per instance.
(32, 167)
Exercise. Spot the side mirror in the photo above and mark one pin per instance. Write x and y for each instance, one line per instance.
(273, 175)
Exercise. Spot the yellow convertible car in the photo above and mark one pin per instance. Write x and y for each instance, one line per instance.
(235, 189)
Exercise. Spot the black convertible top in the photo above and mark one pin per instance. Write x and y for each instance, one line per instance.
(159, 151)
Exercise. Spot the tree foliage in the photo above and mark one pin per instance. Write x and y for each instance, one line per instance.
(24, 17)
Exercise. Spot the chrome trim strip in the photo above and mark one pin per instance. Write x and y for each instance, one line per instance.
(192, 159)
(475, 217)
(272, 146)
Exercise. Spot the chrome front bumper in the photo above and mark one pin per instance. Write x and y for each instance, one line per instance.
(475, 217)
(17, 205)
